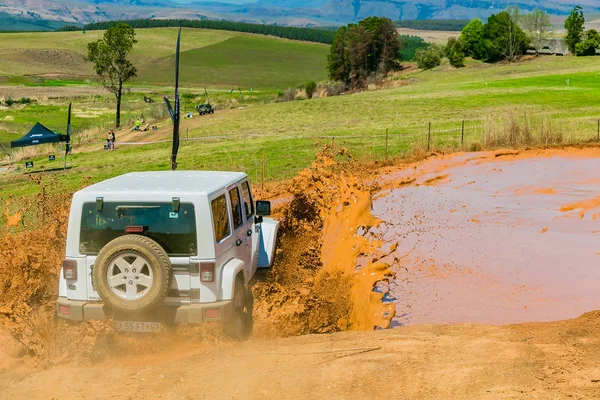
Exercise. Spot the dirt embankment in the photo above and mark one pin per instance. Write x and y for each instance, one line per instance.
(313, 288)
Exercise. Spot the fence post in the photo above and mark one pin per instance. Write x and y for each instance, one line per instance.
(386, 143)
(263, 171)
(599, 130)
(462, 137)
(429, 138)
(333, 145)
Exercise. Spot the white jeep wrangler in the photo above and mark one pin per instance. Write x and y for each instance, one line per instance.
(166, 247)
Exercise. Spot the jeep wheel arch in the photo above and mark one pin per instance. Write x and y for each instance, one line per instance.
(229, 275)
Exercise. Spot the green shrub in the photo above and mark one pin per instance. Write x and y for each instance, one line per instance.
(430, 58)
(455, 51)
(9, 102)
(25, 100)
(310, 88)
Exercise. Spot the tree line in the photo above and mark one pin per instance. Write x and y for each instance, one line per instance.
(455, 25)
(509, 35)
(286, 32)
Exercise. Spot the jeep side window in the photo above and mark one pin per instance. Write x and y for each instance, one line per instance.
(248, 204)
(236, 208)
(220, 218)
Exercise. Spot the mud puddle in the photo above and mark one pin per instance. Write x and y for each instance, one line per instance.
(495, 239)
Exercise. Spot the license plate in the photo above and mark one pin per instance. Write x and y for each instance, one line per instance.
(131, 326)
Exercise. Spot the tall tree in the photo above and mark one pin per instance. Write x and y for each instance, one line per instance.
(472, 39)
(358, 43)
(360, 50)
(538, 27)
(338, 57)
(109, 56)
(384, 46)
(574, 25)
(503, 36)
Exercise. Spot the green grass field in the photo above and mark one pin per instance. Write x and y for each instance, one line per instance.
(209, 58)
(564, 91)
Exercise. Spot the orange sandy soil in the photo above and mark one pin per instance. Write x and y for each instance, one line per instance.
(556, 360)
(552, 360)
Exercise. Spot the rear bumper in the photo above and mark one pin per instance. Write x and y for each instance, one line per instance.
(73, 310)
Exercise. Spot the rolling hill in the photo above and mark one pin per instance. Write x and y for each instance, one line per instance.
(288, 12)
(209, 58)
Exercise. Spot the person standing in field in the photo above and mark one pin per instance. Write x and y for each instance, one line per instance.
(114, 139)
(108, 141)
(137, 125)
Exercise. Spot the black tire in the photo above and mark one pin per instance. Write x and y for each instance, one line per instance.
(158, 266)
(241, 324)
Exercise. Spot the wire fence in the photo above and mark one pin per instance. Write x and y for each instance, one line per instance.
(429, 133)
(384, 144)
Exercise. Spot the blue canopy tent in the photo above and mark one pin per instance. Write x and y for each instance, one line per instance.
(39, 134)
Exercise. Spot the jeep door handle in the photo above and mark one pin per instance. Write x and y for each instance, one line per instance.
(249, 233)
(238, 242)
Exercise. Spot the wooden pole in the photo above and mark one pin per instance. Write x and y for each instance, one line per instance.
(462, 138)
(429, 138)
(333, 146)
(386, 143)
(263, 171)
(599, 130)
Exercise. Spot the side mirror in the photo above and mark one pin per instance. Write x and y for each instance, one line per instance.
(263, 208)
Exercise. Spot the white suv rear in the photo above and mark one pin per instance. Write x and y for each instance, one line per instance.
(165, 247)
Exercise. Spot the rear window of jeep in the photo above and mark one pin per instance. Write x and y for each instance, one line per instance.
(174, 231)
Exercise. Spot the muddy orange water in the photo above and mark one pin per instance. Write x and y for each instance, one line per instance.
(494, 238)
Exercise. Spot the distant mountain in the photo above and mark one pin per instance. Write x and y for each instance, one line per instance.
(288, 12)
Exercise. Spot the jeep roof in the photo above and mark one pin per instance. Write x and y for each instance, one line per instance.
(155, 182)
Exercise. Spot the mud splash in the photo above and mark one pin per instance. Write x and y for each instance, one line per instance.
(341, 249)
(329, 262)
(326, 287)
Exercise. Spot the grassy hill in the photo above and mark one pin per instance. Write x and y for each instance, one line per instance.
(559, 92)
(273, 63)
(211, 58)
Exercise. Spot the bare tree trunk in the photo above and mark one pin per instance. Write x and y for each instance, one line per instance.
(119, 96)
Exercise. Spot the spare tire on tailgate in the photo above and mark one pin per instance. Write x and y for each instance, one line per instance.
(132, 273)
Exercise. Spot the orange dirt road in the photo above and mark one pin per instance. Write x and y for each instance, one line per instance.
(556, 360)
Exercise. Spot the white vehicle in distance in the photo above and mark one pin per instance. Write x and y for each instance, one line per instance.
(153, 248)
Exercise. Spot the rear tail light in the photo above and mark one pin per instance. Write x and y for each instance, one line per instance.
(64, 310)
(212, 313)
(69, 268)
(207, 272)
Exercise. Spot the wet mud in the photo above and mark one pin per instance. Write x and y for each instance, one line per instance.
(328, 264)
(494, 238)
(329, 261)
